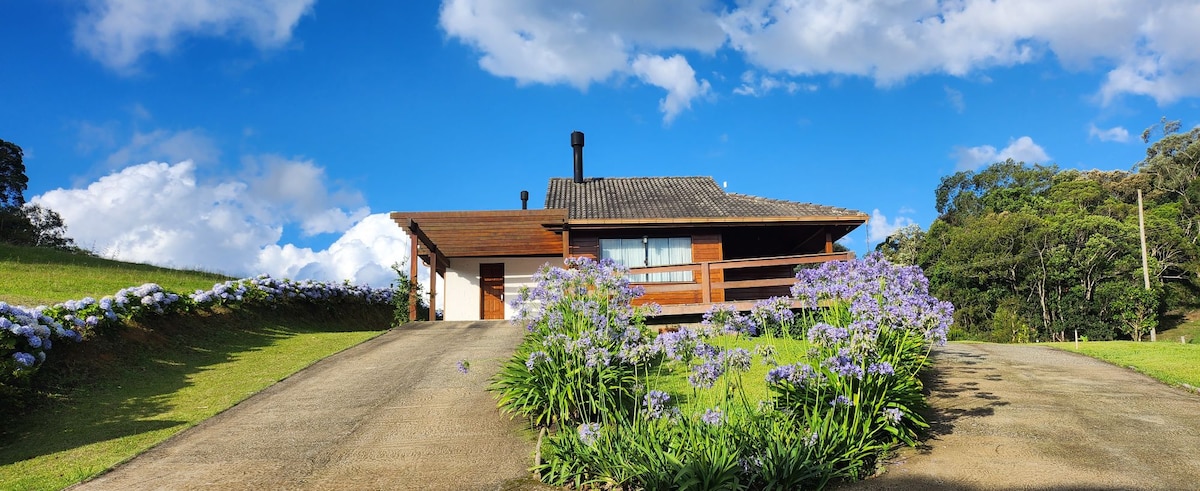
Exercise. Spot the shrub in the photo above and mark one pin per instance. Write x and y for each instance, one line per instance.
(585, 369)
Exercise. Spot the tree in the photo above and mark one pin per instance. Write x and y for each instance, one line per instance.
(1134, 308)
(400, 297)
(903, 245)
(22, 223)
(13, 181)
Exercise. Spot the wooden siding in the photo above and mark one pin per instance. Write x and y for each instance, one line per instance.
(706, 247)
(490, 233)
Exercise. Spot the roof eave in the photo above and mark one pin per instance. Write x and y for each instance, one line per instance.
(723, 221)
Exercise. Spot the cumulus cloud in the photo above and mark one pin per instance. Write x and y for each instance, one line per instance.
(1022, 149)
(674, 75)
(299, 190)
(579, 42)
(161, 213)
(364, 253)
(1114, 134)
(118, 32)
(879, 227)
(1144, 47)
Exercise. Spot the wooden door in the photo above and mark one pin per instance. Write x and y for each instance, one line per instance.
(491, 291)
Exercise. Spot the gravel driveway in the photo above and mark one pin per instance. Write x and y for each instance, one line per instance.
(391, 413)
(394, 413)
(1031, 417)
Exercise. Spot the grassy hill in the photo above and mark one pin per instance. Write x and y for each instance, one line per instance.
(39, 276)
(102, 401)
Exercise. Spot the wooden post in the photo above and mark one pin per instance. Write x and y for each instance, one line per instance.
(412, 277)
(1145, 261)
(1077, 339)
(828, 243)
(705, 282)
(433, 265)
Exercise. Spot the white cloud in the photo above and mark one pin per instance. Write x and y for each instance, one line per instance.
(119, 32)
(162, 214)
(955, 97)
(1022, 149)
(298, 190)
(166, 146)
(579, 42)
(1114, 134)
(757, 85)
(879, 228)
(674, 75)
(364, 253)
(1146, 47)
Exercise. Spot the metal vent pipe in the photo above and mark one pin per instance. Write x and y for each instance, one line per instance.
(577, 144)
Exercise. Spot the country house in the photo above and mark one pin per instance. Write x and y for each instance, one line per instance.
(686, 240)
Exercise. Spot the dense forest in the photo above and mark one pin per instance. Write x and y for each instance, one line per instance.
(1033, 252)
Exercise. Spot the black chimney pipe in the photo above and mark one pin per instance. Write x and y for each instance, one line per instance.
(577, 144)
(524, 200)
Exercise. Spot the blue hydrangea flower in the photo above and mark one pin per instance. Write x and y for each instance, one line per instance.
(24, 359)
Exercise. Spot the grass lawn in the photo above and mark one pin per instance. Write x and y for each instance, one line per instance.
(1189, 329)
(40, 276)
(132, 393)
(1173, 363)
(673, 377)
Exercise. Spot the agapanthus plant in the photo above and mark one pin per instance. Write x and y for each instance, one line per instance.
(585, 342)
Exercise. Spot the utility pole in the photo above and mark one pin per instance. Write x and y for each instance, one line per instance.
(1145, 261)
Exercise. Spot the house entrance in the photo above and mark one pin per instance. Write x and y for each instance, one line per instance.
(491, 291)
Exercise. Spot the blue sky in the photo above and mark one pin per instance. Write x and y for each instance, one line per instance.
(262, 136)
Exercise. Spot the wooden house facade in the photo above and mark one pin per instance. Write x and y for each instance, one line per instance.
(686, 240)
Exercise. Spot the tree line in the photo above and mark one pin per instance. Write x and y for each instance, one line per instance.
(1036, 253)
(24, 223)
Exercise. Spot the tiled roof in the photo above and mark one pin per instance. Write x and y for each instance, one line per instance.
(672, 198)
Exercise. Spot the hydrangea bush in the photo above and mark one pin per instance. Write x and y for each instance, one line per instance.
(26, 334)
(850, 391)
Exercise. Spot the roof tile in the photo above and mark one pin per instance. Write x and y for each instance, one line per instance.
(671, 197)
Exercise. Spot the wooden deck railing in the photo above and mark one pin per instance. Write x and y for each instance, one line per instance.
(702, 274)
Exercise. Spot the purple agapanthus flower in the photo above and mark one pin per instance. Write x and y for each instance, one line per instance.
(713, 416)
(893, 415)
(655, 404)
(881, 368)
(463, 366)
(589, 432)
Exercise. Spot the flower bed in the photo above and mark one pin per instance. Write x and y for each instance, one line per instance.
(26, 334)
(840, 385)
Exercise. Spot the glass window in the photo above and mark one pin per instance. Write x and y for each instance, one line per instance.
(657, 251)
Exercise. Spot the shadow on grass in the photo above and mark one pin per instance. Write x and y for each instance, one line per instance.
(114, 386)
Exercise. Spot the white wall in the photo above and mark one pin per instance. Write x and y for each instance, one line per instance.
(462, 295)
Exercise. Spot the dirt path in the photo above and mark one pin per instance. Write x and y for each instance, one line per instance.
(392, 413)
(1030, 417)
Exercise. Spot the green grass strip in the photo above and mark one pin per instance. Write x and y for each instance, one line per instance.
(40, 276)
(152, 384)
(1173, 363)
